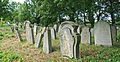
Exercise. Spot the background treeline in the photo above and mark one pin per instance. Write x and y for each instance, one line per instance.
(49, 12)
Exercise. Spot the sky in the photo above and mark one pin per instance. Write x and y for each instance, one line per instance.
(21, 1)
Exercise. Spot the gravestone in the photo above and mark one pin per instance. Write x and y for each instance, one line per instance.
(12, 28)
(79, 29)
(56, 27)
(29, 33)
(17, 32)
(92, 31)
(35, 29)
(53, 34)
(20, 25)
(85, 35)
(38, 40)
(69, 39)
(102, 34)
(43, 30)
(47, 44)
(114, 33)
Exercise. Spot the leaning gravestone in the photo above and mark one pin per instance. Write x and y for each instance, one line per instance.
(79, 29)
(85, 35)
(35, 29)
(114, 33)
(17, 32)
(38, 40)
(12, 29)
(102, 34)
(47, 45)
(92, 31)
(69, 39)
(53, 34)
(29, 33)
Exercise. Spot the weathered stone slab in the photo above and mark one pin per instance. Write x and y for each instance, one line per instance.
(53, 34)
(102, 34)
(43, 30)
(12, 28)
(79, 29)
(29, 33)
(35, 29)
(56, 27)
(38, 40)
(114, 33)
(69, 39)
(17, 32)
(92, 31)
(85, 35)
(47, 44)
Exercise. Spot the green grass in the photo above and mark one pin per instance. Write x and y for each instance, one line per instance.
(9, 57)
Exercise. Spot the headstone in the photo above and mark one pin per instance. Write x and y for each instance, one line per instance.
(20, 25)
(53, 34)
(56, 27)
(38, 40)
(12, 29)
(92, 31)
(114, 33)
(43, 30)
(47, 45)
(17, 32)
(35, 29)
(79, 29)
(69, 39)
(85, 35)
(29, 33)
(102, 34)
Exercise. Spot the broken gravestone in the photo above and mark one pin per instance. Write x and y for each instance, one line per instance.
(69, 39)
(102, 34)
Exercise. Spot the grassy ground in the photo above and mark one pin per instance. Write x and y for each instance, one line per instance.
(28, 53)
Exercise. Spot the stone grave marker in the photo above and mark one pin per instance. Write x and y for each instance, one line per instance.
(69, 39)
(35, 29)
(102, 34)
(47, 44)
(53, 34)
(85, 35)
(114, 33)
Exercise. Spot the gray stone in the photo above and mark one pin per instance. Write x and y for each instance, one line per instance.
(17, 32)
(102, 34)
(38, 40)
(53, 34)
(35, 29)
(29, 33)
(92, 31)
(114, 33)
(12, 28)
(47, 44)
(79, 29)
(56, 26)
(43, 30)
(69, 39)
(85, 35)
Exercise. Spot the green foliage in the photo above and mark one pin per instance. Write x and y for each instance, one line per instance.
(9, 57)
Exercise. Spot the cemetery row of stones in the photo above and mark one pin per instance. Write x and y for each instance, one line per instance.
(70, 36)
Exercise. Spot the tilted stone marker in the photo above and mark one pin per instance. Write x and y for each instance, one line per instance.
(79, 29)
(38, 40)
(114, 33)
(53, 34)
(12, 28)
(69, 39)
(35, 29)
(47, 44)
(17, 32)
(85, 35)
(29, 33)
(102, 34)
